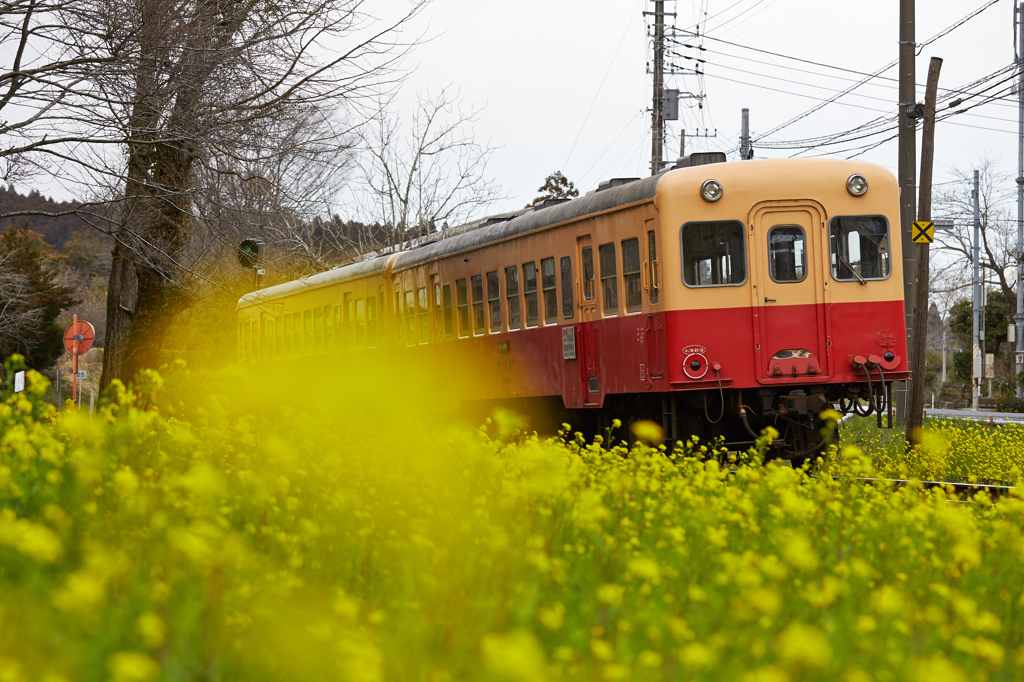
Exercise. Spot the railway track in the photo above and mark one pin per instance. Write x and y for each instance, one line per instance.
(961, 490)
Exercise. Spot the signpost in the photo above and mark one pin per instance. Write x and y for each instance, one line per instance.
(78, 338)
(924, 232)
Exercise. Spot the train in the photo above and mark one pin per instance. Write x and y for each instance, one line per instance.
(715, 298)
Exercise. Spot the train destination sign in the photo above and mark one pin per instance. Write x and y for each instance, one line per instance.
(924, 232)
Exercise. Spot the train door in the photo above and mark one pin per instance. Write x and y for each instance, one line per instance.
(787, 240)
(589, 368)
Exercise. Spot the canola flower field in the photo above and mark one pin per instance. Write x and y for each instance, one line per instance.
(209, 528)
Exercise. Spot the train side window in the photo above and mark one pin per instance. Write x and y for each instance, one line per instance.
(382, 310)
(307, 331)
(479, 319)
(446, 298)
(328, 328)
(318, 329)
(462, 298)
(267, 339)
(494, 301)
(859, 247)
(398, 314)
(568, 306)
(652, 265)
(360, 322)
(410, 318)
(631, 274)
(279, 351)
(512, 295)
(338, 330)
(530, 290)
(787, 254)
(435, 305)
(424, 314)
(371, 321)
(588, 273)
(288, 332)
(298, 346)
(247, 335)
(714, 253)
(550, 288)
(609, 278)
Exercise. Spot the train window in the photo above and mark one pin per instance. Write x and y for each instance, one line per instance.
(360, 322)
(494, 301)
(435, 305)
(787, 253)
(588, 273)
(479, 319)
(859, 247)
(424, 314)
(631, 274)
(568, 306)
(247, 334)
(318, 329)
(300, 347)
(446, 299)
(462, 298)
(398, 314)
(530, 290)
(549, 287)
(652, 264)
(267, 339)
(279, 351)
(338, 330)
(288, 332)
(371, 321)
(328, 328)
(410, 318)
(609, 279)
(713, 253)
(307, 332)
(512, 294)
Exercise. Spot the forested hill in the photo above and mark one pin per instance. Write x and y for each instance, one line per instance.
(56, 231)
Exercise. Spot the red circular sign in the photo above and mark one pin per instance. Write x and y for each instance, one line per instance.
(78, 337)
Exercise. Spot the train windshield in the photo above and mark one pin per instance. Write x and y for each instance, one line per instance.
(859, 248)
(713, 253)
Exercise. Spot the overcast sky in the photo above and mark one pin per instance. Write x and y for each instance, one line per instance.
(564, 85)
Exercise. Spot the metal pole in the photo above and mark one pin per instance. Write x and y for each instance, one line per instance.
(658, 108)
(975, 323)
(907, 176)
(74, 361)
(745, 136)
(58, 391)
(1019, 316)
(918, 348)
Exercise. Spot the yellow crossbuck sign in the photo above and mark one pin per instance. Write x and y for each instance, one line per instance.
(924, 232)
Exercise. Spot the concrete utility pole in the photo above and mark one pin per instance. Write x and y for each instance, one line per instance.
(745, 136)
(918, 348)
(975, 327)
(907, 180)
(943, 356)
(658, 108)
(1019, 317)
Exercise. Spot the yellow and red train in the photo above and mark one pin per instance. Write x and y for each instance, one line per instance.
(715, 299)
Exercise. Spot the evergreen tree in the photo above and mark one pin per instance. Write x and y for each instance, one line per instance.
(556, 186)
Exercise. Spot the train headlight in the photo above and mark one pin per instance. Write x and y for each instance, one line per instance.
(857, 185)
(711, 190)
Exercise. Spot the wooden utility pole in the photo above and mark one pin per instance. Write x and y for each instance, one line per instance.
(658, 102)
(918, 346)
(907, 166)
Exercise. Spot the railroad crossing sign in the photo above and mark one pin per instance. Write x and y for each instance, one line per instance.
(924, 232)
(78, 337)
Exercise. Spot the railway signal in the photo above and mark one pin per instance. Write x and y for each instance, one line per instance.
(250, 255)
(78, 338)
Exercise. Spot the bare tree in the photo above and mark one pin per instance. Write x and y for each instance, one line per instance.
(432, 172)
(20, 319)
(195, 92)
(953, 273)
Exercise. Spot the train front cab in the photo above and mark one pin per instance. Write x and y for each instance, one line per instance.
(782, 296)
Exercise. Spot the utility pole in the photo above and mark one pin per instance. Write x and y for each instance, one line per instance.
(918, 348)
(943, 356)
(658, 108)
(907, 180)
(745, 136)
(975, 327)
(1019, 317)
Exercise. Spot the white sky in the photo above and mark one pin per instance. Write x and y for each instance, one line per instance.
(537, 67)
